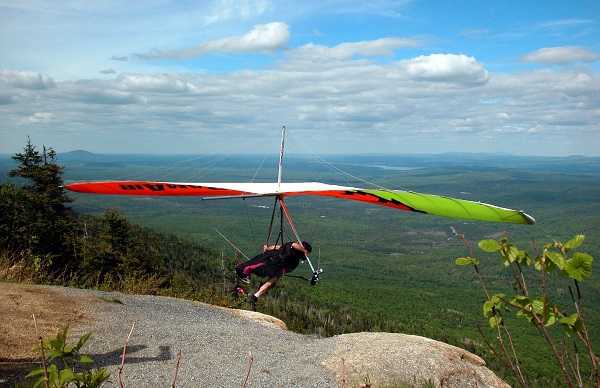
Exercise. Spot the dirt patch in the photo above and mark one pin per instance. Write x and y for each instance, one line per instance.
(52, 310)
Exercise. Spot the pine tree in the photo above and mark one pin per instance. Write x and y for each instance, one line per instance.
(45, 218)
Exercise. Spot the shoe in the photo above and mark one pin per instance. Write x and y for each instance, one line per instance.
(245, 279)
(252, 299)
(242, 277)
(239, 291)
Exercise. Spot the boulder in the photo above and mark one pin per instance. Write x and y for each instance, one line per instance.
(391, 358)
(263, 319)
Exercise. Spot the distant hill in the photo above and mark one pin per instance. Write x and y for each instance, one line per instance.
(80, 156)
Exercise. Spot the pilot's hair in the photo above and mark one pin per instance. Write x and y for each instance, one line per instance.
(307, 246)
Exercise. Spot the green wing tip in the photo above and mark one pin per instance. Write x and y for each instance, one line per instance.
(530, 220)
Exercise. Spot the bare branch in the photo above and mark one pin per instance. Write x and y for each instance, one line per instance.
(584, 336)
(499, 356)
(512, 348)
(43, 353)
(176, 369)
(123, 356)
(250, 361)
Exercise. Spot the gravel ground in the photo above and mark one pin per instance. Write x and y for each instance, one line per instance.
(214, 343)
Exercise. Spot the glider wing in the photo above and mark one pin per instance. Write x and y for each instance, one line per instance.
(402, 200)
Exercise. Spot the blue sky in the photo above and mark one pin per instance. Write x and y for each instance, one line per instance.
(223, 76)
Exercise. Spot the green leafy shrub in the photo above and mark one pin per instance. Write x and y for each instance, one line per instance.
(557, 262)
(65, 365)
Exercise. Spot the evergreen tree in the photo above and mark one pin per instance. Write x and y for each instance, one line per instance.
(15, 219)
(39, 210)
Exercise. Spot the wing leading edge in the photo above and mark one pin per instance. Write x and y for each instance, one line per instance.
(401, 200)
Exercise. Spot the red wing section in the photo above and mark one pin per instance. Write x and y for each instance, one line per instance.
(354, 195)
(149, 188)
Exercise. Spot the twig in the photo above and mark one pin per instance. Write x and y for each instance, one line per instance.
(538, 323)
(475, 267)
(508, 357)
(577, 366)
(493, 351)
(344, 379)
(584, 333)
(521, 279)
(176, 369)
(512, 348)
(574, 367)
(43, 353)
(250, 361)
(513, 364)
(123, 356)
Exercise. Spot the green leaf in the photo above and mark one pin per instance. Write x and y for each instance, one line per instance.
(497, 299)
(579, 267)
(35, 372)
(85, 359)
(466, 261)
(66, 376)
(97, 378)
(495, 321)
(575, 242)
(520, 300)
(487, 308)
(493, 306)
(537, 306)
(556, 258)
(53, 372)
(489, 245)
(570, 320)
(56, 344)
(82, 341)
(68, 350)
(513, 253)
(525, 314)
(550, 319)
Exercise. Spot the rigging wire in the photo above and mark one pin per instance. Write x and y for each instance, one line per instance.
(258, 169)
(350, 175)
(251, 225)
(317, 158)
(232, 244)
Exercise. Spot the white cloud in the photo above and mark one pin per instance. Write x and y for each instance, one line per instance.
(161, 83)
(262, 38)
(369, 48)
(26, 79)
(564, 23)
(105, 96)
(386, 8)
(561, 55)
(450, 68)
(535, 129)
(358, 105)
(39, 118)
(224, 10)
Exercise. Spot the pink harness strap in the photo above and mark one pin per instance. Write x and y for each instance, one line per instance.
(249, 269)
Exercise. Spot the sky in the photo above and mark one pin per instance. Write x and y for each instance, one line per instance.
(383, 76)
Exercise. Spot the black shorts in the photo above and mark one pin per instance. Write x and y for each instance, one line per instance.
(266, 264)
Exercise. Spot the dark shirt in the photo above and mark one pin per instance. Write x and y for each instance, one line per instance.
(289, 258)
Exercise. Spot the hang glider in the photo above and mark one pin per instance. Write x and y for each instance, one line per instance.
(396, 199)
(402, 200)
